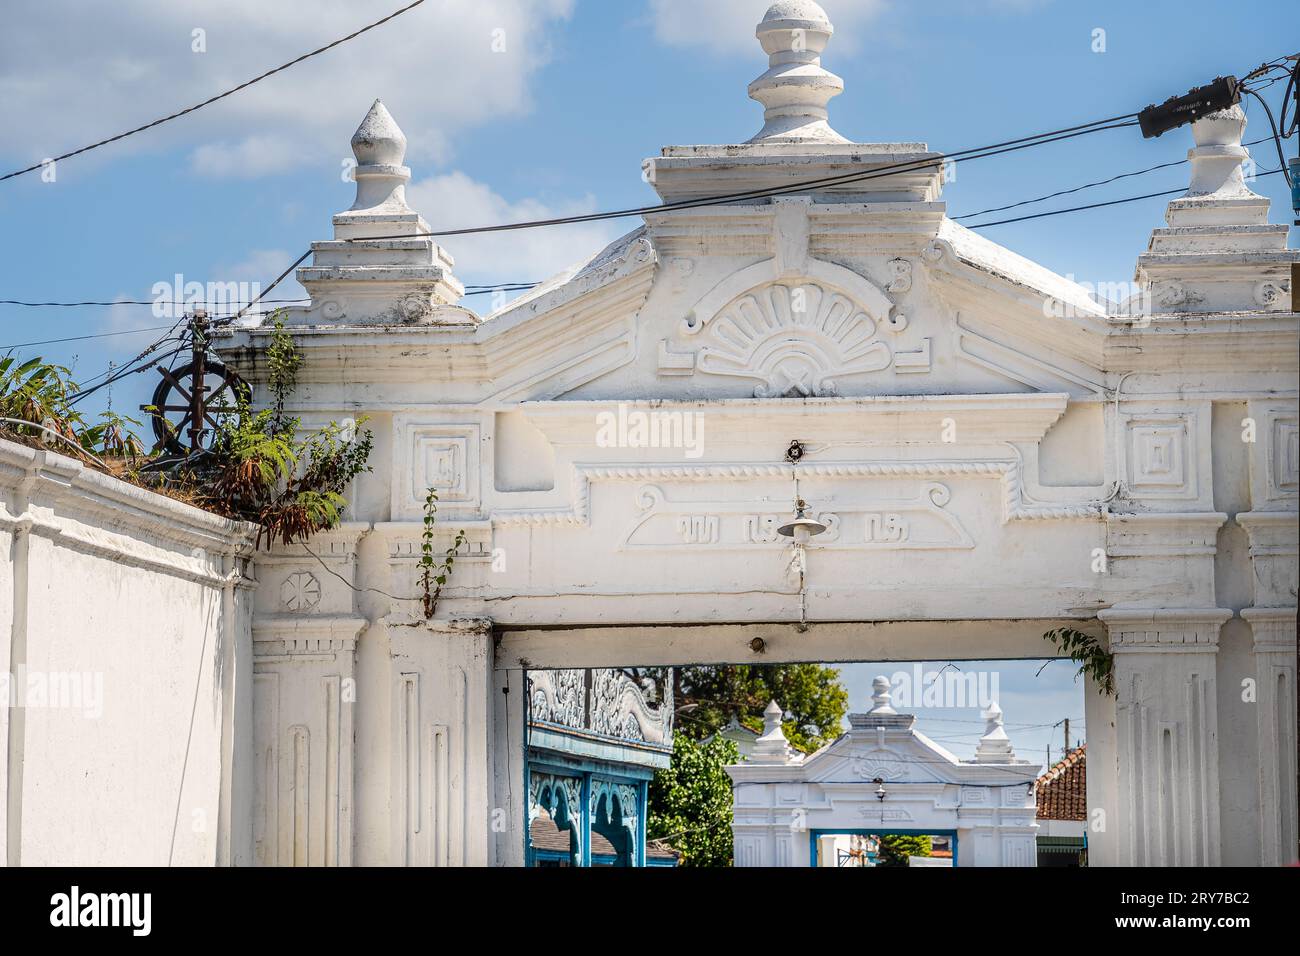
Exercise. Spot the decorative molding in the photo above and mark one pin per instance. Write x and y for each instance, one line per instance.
(918, 522)
(558, 697)
(300, 592)
(796, 340)
(1189, 630)
(604, 701)
(431, 453)
(1015, 505)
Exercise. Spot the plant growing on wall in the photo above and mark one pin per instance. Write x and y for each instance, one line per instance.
(1086, 651)
(37, 391)
(432, 575)
(263, 469)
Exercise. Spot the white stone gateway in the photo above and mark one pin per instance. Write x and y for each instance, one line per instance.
(883, 776)
(991, 451)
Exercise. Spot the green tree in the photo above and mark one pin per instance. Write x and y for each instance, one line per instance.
(895, 848)
(707, 698)
(690, 802)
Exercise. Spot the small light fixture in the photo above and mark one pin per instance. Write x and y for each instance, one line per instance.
(803, 529)
(880, 789)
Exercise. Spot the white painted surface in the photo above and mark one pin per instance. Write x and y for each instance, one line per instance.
(133, 611)
(979, 431)
(882, 776)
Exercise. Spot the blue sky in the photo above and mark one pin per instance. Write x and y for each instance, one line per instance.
(559, 122)
(1034, 699)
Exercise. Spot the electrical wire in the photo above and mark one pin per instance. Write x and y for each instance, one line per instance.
(213, 99)
(81, 338)
(982, 152)
(1277, 137)
(1096, 205)
(70, 305)
(1100, 182)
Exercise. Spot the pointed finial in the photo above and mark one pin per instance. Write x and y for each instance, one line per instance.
(994, 746)
(379, 141)
(772, 718)
(882, 698)
(772, 747)
(795, 89)
(380, 146)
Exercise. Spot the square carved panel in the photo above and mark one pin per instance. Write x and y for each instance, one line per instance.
(1161, 456)
(434, 455)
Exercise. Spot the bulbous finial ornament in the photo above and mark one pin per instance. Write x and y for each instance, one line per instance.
(795, 89)
(882, 699)
(379, 141)
(380, 146)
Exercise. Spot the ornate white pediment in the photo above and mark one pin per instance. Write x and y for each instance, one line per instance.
(795, 333)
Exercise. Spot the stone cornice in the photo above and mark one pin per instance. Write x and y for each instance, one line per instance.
(305, 635)
(1271, 533)
(337, 544)
(118, 520)
(474, 626)
(980, 418)
(1163, 533)
(522, 341)
(1167, 630)
(1274, 629)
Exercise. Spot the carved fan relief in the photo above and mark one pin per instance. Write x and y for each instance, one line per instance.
(795, 339)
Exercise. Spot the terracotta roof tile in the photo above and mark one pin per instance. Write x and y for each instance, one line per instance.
(1063, 790)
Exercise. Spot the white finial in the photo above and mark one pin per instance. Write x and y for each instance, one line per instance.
(380, 146)
(771, 747)
(994, 746)
(1217, 158)
(381, 268)
(795, 89)
(882, 698)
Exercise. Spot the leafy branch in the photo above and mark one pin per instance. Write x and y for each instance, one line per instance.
(1086, 651)
(434, 576)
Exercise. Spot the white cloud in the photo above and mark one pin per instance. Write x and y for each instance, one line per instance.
(454, 201)
(73, 72)
(727, 26)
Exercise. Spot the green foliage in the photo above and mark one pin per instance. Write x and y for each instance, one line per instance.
(282, 361)
(895, 848)
(262, 470)
(113, 437)
(433, 576)
(690, 802)
(708, 697)
(36, 391)
(1086, 651)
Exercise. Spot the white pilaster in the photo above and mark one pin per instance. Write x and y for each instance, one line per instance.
(1275, 707)
(1167, 729)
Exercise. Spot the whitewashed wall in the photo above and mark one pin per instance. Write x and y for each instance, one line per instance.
(133, 611)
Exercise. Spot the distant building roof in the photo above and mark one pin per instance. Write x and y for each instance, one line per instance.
(546, 836)
(1063, 790)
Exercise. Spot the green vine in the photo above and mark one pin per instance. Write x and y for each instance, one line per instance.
(433, 576)
(1086, 651)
